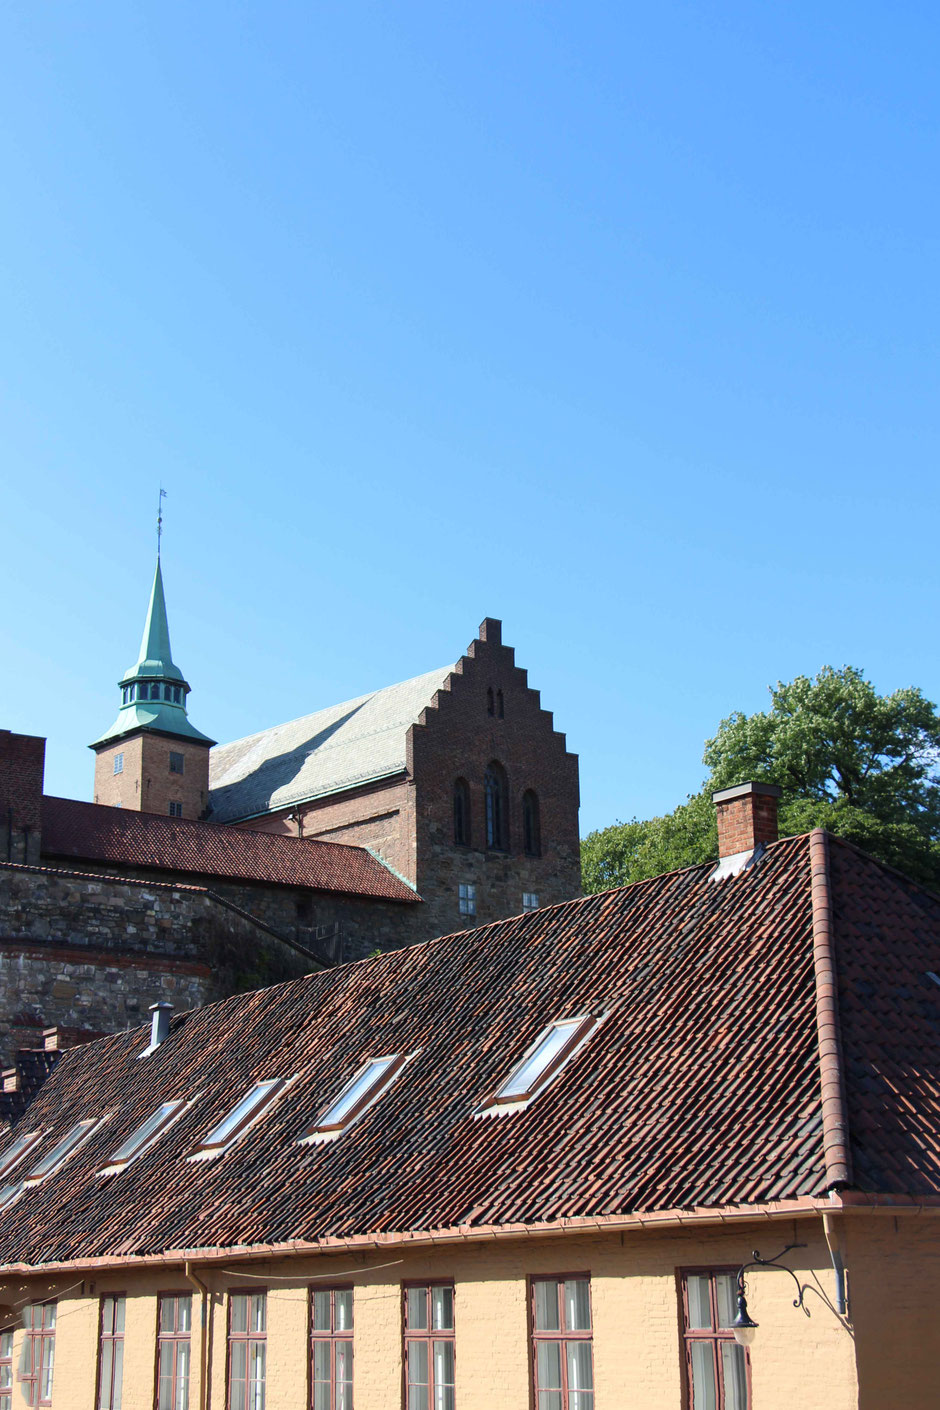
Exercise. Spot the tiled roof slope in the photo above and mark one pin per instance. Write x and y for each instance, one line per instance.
(120, 837)
(332, 749)
(701, 1088)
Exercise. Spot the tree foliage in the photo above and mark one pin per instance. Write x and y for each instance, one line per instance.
(860, 764)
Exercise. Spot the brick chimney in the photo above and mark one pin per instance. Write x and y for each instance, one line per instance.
(21, 769)
(747, 817)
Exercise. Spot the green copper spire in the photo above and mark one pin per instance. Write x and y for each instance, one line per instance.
(153, 690)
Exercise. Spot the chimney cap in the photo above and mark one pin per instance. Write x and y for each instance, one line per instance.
(743, 790)
(160, 1004)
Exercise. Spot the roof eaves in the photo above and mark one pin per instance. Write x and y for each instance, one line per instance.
(831, 1067)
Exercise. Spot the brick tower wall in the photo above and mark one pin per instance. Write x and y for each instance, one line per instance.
(145, 782)
(458, 738)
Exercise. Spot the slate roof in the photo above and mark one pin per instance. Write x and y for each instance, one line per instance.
(333, 749)
(121, 837)
(701, 1089)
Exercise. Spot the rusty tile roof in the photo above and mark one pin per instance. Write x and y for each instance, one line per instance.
(701, 1089)
(120, 837)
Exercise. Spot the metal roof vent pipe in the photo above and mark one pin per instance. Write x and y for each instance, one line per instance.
(747, 824)
(159, 1026)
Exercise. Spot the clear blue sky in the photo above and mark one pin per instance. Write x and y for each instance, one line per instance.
(618, 322)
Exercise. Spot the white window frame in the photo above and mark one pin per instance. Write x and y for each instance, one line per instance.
(467, 898)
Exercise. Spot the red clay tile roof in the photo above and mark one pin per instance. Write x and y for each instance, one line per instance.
(701, 1089)
(120, 837)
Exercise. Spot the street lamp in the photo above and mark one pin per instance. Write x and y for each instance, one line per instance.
(744, 1326)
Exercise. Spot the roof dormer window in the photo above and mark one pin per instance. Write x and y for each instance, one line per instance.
(545, 1058)
(362, 1089)
(251, 1106)
(145, 1135)
(60, 1153)
(20, 1147)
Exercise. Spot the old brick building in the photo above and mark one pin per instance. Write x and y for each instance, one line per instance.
(428, 807)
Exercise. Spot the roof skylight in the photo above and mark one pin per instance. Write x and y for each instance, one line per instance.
(20, 1147)
(61, 1152)
(145, 1135)
(240, 1117)
(545, 1058)
(362, 1089)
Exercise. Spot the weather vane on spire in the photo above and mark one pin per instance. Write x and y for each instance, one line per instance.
(160, 518)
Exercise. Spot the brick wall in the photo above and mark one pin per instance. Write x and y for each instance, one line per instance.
(146, 783)
(22, 758)
(458, 738)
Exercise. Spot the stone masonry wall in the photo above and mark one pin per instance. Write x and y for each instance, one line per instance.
(458, 739)
(87, 951)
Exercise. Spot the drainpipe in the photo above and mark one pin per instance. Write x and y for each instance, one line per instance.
(205, 1337)
(834, 1240)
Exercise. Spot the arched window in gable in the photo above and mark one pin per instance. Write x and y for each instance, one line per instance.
(497, 817)
(461, 813)
(531, 824)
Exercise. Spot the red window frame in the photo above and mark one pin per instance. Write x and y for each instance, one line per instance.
(249, 1339)
(428, 1335)
(173, 1339)
(562, 1334)
(39, 1353)
(340, 1391)
(715, 1335)
(112, 1308)
(6, 1368)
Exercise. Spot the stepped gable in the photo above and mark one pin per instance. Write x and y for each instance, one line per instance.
(702, 1090)
(343, 746)
(119, 837)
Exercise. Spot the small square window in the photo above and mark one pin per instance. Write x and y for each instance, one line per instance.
(119, 763)
(530, 901)
(176, 762)
(176, 810)
(467, 896)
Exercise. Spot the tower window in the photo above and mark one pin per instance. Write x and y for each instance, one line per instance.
(531, 824)
(462, 813)
(176, 810)
(124, 694)
(155, 691)
(494, 788)
(119, 763)
(467, 897)
(177, 694)
(500, 710)
(176, 762)
(168, 692)
(490, 701)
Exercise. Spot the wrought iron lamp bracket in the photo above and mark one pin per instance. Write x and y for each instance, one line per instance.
(756, 1261)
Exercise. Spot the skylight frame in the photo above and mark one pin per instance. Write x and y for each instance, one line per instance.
(63, 1150)
(269, 1090)
(324, 1130)
(19, 1150)
(118, 1162)
(581, 1025)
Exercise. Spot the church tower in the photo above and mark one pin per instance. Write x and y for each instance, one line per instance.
(152, 759)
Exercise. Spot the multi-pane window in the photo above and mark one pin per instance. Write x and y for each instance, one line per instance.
(429, 1347)
(530, 901)
(331, 1351)
(111, 1353)
(247, 1348)
(119, 763)
(6, 1370)
(176, 810)
(173, 1351)
(562, 1354)
(176, 762)
(38, 1359)
(716, 1366)
(467, 897)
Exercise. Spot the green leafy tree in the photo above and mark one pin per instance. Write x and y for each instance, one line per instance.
(861, 764)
